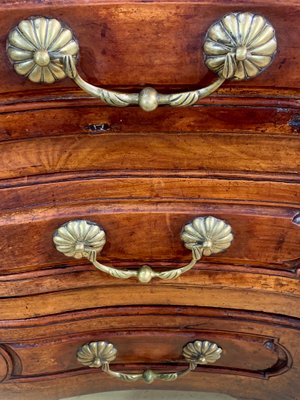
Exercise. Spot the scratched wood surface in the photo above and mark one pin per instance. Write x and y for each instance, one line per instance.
(88, 117)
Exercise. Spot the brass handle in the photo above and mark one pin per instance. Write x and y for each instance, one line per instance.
(239, 46)
(84, 239)
(100, 354)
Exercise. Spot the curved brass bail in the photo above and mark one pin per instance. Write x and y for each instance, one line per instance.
(239, 46)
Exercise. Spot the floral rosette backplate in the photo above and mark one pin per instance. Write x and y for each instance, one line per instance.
(240, 46)
(35, 48)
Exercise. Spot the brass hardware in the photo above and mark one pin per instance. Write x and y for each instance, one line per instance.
(238, 46)
(84, 239)
(100, 354)
(33, 47)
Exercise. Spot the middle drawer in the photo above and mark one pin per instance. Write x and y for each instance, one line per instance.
(139, 233)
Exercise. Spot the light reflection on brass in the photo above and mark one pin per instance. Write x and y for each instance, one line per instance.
(238, 46)
(101, 354)
(85, 239)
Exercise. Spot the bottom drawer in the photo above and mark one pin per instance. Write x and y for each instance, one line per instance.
(250, 356)
(242, 353)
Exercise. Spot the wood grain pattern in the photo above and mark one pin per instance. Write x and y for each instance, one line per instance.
(244, 353)
(233, 329)
(81, 276)
(58, 190)
(148, 152)
(142, 177)
(208, 288)
(144, 233)
(114, 36)
(48, 119)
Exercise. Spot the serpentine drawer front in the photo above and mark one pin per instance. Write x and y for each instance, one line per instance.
(138, 232)
(203, 236)
(149, 250)
(101, 353)
(239, 46)
(150, 347)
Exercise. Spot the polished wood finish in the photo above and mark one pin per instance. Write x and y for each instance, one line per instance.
(145, 348)
(217, 114)
(144, 152)
(142, 176)
(257, 357)
(159, 44)
(146, 228)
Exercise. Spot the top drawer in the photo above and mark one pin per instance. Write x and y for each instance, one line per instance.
(131, 45)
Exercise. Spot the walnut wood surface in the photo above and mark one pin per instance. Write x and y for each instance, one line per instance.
(63, 291)
(221, 114)
(136, 44)
(142, 176)
(264, 357)
(142, 226)
(144, 152)
(244, 353)
(148, 233)
(77, 188)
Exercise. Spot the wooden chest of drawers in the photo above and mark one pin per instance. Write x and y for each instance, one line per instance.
(142, 177)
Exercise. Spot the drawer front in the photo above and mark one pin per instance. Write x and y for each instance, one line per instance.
(152, 154)
(110, 56)
(243, 353)
(82, 117)
(173, 36)
(149, 337)
(141, 233)
(143, 220)
(142, 178)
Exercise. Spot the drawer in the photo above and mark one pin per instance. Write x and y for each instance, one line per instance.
(262, 238)
(242, 352)
(44, 350)
(143, 219)
(173, 34)
(256, 348)
(232, 158)
(110, 56)
(152, 153)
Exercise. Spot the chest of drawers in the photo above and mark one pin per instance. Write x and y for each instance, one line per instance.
(141, 177)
